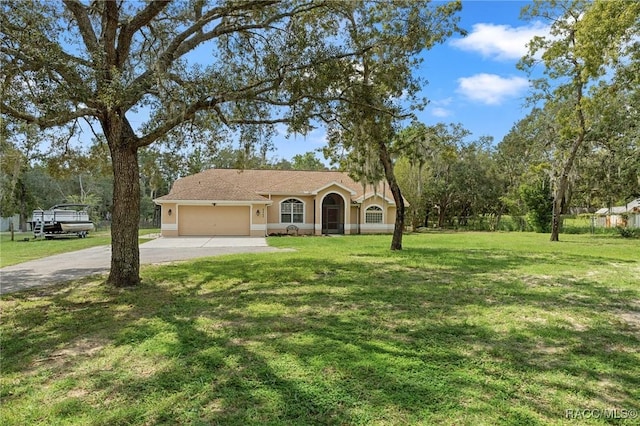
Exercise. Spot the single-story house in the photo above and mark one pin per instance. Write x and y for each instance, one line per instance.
(627, 215)
(229, 202)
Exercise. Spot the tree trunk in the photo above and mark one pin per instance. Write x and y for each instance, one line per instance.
(442, 210)
(23, 207)
(562, 188)
(387, 164)
(498, 218)
(555, 217)
(564, 183)
(566, 169)
(125, 253)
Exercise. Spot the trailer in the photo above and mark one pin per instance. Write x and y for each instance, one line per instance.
(61, 220)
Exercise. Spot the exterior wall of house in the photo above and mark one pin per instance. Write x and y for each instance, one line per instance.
(168, 221)
(354, 215)
(274, 225)
(388, 216)
(259, 215)
(391, 216)
(346, 198)
(356, 218)
(258, 219)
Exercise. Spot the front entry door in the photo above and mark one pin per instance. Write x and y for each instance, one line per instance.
(333, 221)
(333, 215)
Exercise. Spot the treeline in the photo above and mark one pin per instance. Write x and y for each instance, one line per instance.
(450, 179)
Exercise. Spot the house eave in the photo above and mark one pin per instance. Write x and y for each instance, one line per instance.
(286, 194)
(214, 202)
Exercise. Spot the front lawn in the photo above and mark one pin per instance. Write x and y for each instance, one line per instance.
(457, 329)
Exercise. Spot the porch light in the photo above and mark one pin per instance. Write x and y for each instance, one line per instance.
(258, 212)
(169, 212)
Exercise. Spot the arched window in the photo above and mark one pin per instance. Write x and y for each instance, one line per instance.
(291, 211)
(373, 214)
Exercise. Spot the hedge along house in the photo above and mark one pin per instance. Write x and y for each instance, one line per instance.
(229, 202)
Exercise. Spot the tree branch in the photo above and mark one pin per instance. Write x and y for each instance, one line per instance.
(109, 30)
(184, 42)
(59, 119)
(84, 25)
(128, 30)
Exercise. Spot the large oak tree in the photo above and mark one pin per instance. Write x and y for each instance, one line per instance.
(586, 41)
(194, 67)
(184, 65)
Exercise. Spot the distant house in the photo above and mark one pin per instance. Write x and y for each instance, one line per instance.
(627, 215)
(233, 202)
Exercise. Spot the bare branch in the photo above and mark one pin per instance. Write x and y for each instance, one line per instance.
(90, 124)
(109, 30)
(47, 122)
(84, 25)
(128, 30)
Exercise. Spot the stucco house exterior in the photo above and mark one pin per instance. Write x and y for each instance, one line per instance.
(230, 202)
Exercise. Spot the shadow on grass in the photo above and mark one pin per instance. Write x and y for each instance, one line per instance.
(423, 335)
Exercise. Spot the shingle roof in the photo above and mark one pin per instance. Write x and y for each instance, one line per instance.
(252, 185)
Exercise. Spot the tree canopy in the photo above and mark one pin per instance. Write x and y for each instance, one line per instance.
(197, 70)
(586, 40)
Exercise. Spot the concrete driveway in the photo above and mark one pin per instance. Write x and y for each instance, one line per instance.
(97, 260)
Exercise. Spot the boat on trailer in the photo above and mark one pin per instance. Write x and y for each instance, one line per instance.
(61, 220)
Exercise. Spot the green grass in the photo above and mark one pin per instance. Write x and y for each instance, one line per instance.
(24, 248)
(457, 329)
(581, 224)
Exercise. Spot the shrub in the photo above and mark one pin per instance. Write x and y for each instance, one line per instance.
(628, 232)
(539, 204)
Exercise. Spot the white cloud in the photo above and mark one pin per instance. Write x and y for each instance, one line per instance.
(491, 89)
(444, 102)
(500, 42)
(439, 107)
(440, 112)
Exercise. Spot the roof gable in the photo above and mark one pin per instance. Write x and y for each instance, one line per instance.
(368, 195)
(334, 183)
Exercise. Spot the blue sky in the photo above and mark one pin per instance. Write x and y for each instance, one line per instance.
(472, 80)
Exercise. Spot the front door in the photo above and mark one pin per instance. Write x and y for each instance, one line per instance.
(333, 222)
(332, 215)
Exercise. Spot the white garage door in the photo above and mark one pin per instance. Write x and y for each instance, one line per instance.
(213, 221)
